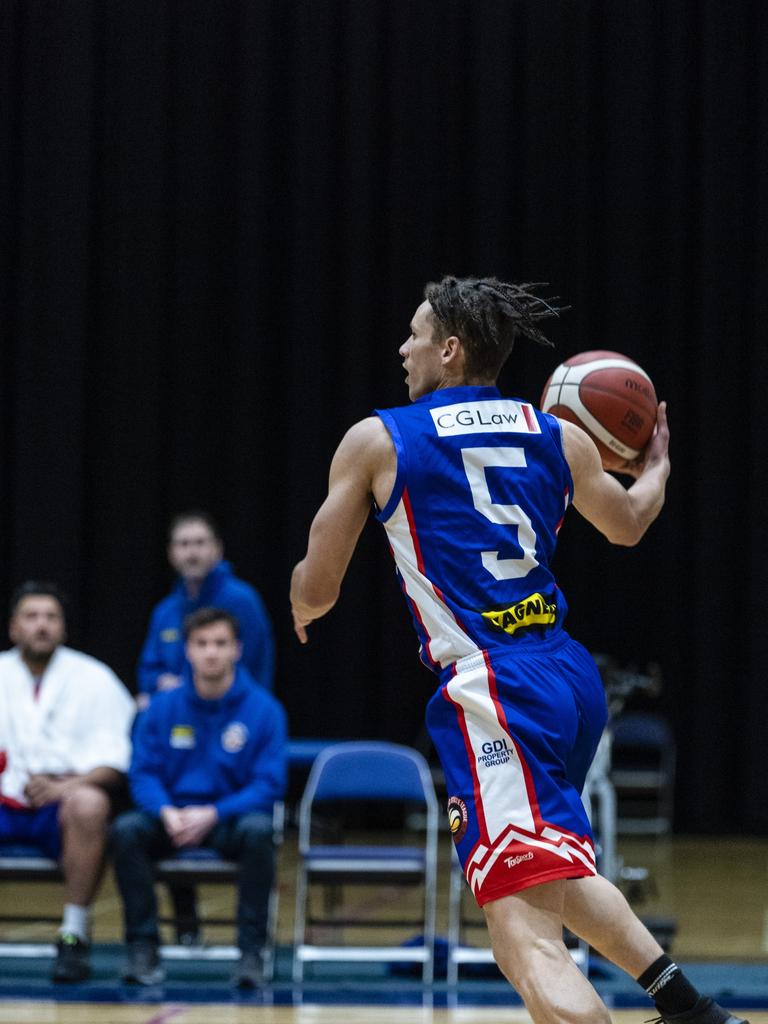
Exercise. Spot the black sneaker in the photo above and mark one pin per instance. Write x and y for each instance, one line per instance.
(706, 1011)
(72, 959)
(143, 966)
(249, 972)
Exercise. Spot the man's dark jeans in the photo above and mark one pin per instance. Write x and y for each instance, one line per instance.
(138, 840)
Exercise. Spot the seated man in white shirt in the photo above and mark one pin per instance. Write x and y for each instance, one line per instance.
(65, 722)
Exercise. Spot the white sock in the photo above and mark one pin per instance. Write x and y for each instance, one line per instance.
(76, 921)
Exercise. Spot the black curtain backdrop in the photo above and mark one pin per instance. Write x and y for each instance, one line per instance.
(217, 220)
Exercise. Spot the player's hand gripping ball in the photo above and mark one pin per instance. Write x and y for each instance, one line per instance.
(610, 397)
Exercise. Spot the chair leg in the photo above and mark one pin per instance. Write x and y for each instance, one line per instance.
(299, 925)
(187, 922)
(454, 925)
(270, 945)
(430, 911)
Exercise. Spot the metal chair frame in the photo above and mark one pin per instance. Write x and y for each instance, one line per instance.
(646, 735)
(366, 771)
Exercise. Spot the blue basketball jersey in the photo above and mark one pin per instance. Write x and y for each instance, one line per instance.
(481, 489)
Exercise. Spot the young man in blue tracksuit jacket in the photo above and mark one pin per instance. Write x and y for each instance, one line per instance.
(209, 762)
(195, 551)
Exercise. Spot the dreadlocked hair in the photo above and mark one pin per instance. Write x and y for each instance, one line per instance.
(487, 316)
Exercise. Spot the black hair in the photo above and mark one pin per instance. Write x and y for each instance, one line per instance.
(38, 588)
(207, 617)
(194, 516)
(486, 315)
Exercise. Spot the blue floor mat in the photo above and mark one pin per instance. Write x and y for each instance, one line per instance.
(737, 985)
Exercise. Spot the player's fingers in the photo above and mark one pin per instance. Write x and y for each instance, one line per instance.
(662, 421)
(660, 440)
(299, 628)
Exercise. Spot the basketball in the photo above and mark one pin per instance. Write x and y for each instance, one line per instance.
(610, 397)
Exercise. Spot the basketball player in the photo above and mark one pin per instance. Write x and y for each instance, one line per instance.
(471, 488)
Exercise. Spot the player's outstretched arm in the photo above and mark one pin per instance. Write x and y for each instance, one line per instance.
(358, 462)
(623, 515)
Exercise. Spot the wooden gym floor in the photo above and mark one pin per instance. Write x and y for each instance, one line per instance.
(102, 1013)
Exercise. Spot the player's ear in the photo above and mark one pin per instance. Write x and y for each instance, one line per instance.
(451, 349)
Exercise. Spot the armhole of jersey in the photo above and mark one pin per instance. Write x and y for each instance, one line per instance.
(556, 430)
(397, 490)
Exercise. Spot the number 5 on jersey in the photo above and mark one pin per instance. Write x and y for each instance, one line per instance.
(476, 461)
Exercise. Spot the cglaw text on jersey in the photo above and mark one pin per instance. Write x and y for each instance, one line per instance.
(474, 418)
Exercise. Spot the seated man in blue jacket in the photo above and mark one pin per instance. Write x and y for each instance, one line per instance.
(209, 762)
(195, 551)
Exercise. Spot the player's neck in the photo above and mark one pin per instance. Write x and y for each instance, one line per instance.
(461, 381)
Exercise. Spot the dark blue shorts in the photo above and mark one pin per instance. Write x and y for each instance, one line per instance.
(38, 828)
(516, 734)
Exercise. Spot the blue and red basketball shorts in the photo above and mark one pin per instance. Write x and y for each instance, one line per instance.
(516, 733)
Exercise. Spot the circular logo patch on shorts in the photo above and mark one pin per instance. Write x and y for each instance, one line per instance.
(458, 819)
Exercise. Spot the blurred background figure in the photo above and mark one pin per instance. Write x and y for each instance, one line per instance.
(195, 550)
(65, 721)
(209, 763)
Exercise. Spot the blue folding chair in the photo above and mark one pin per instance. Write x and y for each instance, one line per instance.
(366, 772)
(643, 773)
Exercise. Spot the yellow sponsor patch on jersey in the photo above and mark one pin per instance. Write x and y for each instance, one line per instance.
(534, 610)
(169, 636)
(182, 737)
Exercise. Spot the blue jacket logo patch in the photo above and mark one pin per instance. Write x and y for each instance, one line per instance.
(234, 737)
(183, 737)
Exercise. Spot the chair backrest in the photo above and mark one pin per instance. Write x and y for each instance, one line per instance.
(369, 770)
(642, 729)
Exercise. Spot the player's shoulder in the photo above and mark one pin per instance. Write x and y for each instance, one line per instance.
(366, 441)
(577, 444)
(367, 431)
(580, 453)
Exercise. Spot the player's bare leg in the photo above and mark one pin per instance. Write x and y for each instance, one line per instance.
(526, 932)
(83, 815)
(597, 912)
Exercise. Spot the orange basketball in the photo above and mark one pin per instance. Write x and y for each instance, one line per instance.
(608, 395)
